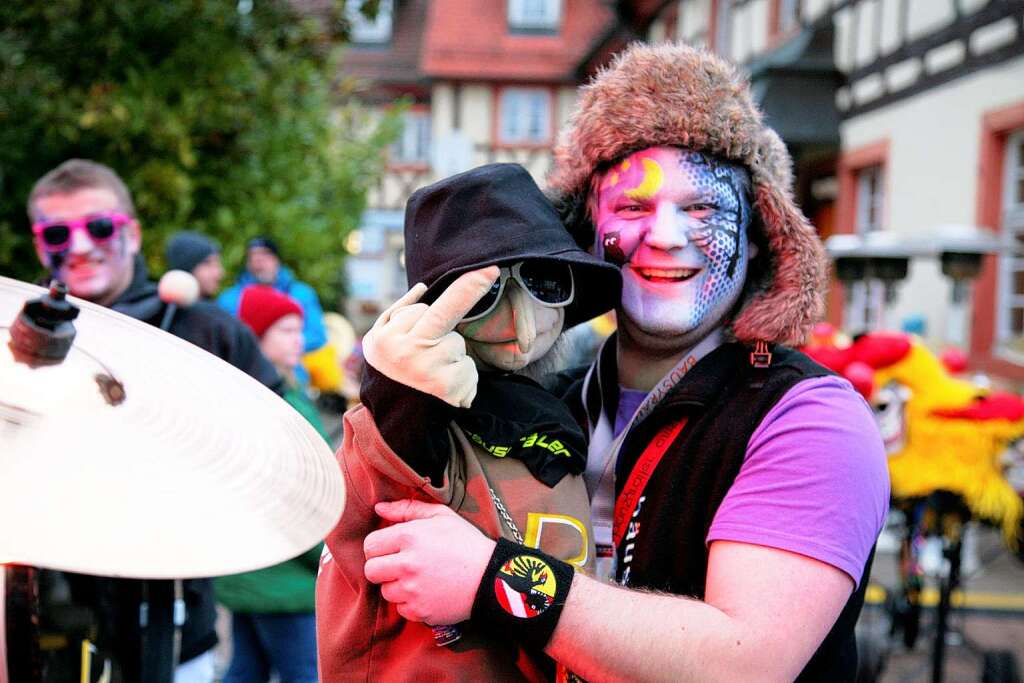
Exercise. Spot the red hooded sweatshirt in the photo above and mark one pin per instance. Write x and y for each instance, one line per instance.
(361, 636)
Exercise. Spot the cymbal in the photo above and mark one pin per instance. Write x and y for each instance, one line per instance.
(144, 456)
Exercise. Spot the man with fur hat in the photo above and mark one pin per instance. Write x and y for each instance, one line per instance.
(723, 466)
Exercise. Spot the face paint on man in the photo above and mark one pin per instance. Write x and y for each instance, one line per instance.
(676, 222)
(96, 271)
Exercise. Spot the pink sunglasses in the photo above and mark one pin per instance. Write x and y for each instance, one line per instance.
(55, 236)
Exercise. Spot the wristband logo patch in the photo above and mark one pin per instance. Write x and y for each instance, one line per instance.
(525, 586)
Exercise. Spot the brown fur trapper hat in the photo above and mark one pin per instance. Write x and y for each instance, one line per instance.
(675, 95)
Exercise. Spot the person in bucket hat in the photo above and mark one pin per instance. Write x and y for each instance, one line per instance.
(450, 415)
(723, 466)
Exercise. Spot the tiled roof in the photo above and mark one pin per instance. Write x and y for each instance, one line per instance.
(471, 40)
(397, 62)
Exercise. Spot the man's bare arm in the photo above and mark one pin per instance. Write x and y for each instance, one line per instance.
(765, 611)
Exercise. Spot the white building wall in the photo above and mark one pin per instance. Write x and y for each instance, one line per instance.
(755, 28)
(861, 20)
(928, 16)
(477, 112)
(658, 32)
(565, 102)
(931, 172)
(476, 102)
(442, 103)
(694, 17)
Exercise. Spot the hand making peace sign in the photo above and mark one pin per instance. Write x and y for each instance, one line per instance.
(416, 344)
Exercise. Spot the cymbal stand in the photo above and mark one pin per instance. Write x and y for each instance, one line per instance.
(21, 624)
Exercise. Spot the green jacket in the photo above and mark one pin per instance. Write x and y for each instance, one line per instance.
(287, 587)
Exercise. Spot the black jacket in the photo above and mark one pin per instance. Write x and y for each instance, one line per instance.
(204, 324)
(506, 410)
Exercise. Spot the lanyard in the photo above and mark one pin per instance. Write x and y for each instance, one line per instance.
(663, 387)
(625, 504)
(666, 384)
(604, 446)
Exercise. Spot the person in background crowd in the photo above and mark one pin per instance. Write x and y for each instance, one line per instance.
(86, 234)
(263, 266)
(272, 623)
(197, 254)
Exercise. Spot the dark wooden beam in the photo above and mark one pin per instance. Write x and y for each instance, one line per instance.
(971, 64)
(962, 29)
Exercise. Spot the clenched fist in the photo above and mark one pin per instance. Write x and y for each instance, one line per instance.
(417, 345)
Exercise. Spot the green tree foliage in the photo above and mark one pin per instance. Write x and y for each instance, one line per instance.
(223, 116)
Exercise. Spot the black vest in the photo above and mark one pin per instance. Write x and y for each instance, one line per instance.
(724, 399)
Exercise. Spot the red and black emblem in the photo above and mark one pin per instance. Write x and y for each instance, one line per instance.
(525, 586)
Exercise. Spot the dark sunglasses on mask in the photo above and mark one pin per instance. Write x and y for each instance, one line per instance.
(549, 283)
(55, 236)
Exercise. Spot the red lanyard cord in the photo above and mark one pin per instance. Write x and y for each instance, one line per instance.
(626, 501)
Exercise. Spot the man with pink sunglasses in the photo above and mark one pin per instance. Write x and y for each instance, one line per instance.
(86, 234)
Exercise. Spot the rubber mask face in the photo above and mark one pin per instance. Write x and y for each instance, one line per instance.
(517, 332)
(675, 221)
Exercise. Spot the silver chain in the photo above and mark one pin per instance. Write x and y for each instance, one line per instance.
(507, 517)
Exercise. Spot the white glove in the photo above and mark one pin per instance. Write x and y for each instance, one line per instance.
(417, 345)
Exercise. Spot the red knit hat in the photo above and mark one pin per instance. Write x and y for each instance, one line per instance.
(262, 306)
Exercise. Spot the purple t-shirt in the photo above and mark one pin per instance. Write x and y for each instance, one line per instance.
(814, 480)
(629, 401)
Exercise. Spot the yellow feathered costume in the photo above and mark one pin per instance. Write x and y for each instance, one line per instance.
(954, 431)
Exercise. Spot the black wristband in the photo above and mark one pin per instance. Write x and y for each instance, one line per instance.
(522, 593)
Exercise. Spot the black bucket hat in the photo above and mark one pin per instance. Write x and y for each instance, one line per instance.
(496, 215)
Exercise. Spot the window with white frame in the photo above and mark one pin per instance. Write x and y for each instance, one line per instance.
(369, 31)
(866, 303)
(524, 116)
(413, 145)
(1011, 314)
(534, 15)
